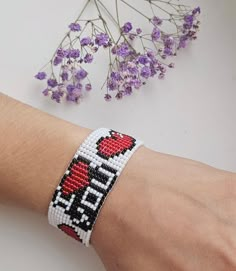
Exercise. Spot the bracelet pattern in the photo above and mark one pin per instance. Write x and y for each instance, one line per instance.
(88, 180)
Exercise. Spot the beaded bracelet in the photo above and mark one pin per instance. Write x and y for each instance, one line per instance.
(88, 180)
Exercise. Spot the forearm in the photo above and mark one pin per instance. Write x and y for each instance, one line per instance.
(34, 153)
(37, 147)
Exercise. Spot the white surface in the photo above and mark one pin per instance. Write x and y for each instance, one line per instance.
(192, 113)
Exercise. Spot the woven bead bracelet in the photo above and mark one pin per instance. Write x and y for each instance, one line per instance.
(88, 180)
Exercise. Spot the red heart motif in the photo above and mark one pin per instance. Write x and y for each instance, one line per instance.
(78, 178)
(115, 145)
(69, 231)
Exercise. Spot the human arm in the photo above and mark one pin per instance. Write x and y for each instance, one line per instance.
(164, 213)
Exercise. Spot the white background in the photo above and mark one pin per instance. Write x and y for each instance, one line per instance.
(192, 113)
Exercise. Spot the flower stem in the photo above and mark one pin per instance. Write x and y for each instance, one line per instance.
(68, 33)
(123, 1)
(107, 30)
(108, 12)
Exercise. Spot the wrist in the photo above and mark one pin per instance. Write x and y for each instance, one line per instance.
(117, 213)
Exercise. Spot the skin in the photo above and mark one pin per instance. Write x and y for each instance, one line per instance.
(165, 212)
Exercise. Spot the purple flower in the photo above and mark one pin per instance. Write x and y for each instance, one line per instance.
(161, 76)
(102, 39)
(157, 21)
(182, 41)
(95, 49)
(85, 41)
(168, 51)
(88, 87)
(41, 76)
(114, 49)
(153, 69)
(64, 76)
(188, 22)
(143, 59)
(189, 19)
(132, 68)
(52, 82)
(61, 52)
(88, 58)
(79, 86)
(45, 92)
(123, 50)
(107, 97)
(122, 66)
(70, 88)
(116, 76)
(127, 27)
(74, 53)
(132, 36)
(56, 95)
(73, 92)
(187, 26)
(197, 10)
(112, 85)
(67, 53)
(151, 54)
(169, 42)
(77, 91)
(119, 95)
(73, 97)
(163, 69)
(128, 90)
(145, 72)
(57, 60)
(137, 83)
(75, 27)
(138, 31)
(156, 33)
(81, 74)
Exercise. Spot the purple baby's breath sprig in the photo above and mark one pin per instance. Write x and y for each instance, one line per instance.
(135, 54)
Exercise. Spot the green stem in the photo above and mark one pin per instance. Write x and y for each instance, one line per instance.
(108, 12)
(117, 14)
(154, 4)
(107, 30)
(68, 33)
(123, 1)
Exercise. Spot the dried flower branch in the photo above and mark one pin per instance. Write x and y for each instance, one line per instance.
(129, 66)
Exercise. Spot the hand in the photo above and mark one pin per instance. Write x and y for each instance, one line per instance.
(168, 213)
